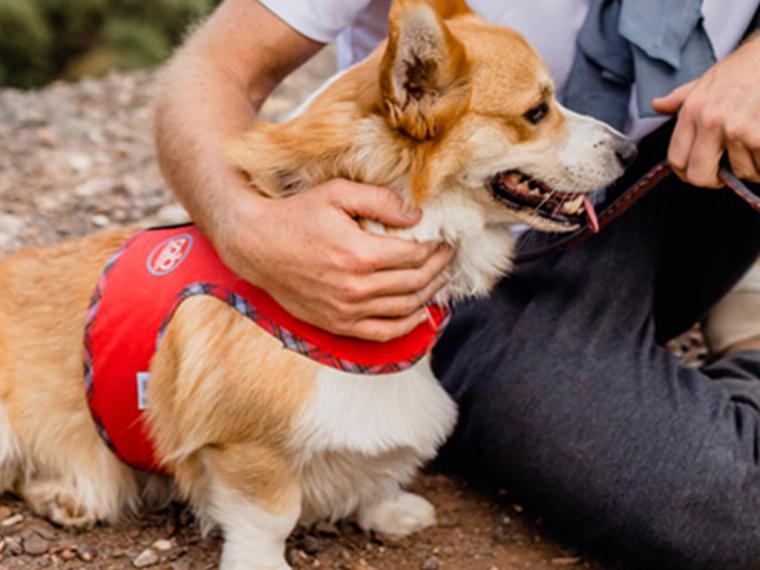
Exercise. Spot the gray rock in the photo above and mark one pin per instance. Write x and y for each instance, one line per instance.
(430, 563)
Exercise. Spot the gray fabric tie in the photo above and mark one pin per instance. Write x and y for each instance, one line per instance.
(658, 44)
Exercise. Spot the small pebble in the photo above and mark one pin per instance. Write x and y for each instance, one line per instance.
(163, 545)
(147, 557)
(86, 553)
(100, 220)
(80, 162)
(431, 563)
(13, 520)
(36, 545)
(47, 137)
(68, 554)
(5, 512)
(13, 545)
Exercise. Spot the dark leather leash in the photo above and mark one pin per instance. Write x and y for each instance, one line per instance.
(627, 200)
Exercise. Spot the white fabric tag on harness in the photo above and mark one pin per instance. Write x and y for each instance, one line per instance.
(142, 390)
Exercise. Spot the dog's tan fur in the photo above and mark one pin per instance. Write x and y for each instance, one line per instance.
(246, 428)
(225, 395)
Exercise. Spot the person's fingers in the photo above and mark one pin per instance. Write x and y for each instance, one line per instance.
(754, 147)
(743, 164)
(360, 288)
(383, 330)
(404, 281)
(371, 253)
(398, 260)
(704, 158)
(681, 143)
(373, 203)
(399, 306)
(672, 102)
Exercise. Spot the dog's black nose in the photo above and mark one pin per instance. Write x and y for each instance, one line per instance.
(626, 151)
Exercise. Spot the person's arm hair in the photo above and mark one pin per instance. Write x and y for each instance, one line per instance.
(306, 250)
(210, 94)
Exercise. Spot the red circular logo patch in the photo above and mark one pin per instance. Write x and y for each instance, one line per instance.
(169, 254)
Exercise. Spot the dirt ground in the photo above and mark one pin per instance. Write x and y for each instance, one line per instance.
(75, 158)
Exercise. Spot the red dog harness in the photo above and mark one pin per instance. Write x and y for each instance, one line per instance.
(139, 291)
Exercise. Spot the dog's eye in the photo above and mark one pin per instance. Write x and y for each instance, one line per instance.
(537, 113)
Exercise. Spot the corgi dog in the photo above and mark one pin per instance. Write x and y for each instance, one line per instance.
(256, 419)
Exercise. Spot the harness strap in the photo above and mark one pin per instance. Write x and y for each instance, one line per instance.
(627, 200)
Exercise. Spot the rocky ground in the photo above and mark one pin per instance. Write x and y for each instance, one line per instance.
(75, 158)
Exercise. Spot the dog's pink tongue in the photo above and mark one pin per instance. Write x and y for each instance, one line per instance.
(593, 220)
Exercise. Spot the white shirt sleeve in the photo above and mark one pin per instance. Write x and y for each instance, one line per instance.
(319, 20)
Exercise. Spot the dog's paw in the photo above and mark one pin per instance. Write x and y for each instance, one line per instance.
(60, 507)
(401, 515)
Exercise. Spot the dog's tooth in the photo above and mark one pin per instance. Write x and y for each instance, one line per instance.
(573, 206)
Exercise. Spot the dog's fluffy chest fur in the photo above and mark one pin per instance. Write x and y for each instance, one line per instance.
(356, 430)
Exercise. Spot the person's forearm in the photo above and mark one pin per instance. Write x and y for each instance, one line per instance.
(209, 95)
(191, 138)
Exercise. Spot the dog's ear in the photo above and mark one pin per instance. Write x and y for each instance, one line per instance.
(450, 8)
(425, 74)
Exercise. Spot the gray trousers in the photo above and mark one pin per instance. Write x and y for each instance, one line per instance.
(570, 401)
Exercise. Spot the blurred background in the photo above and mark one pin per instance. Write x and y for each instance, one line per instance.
(45, 40)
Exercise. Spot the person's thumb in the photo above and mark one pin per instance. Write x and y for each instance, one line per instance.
(375, 203)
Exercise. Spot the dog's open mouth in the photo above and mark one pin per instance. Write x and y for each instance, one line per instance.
(523, 192)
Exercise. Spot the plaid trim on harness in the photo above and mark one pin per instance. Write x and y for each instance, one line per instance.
(290, 340)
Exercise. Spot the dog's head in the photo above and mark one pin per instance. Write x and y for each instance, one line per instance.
(449, 104)
(481, 103)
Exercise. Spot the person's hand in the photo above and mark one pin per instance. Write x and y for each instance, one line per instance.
(719, 112)
(310, 254)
